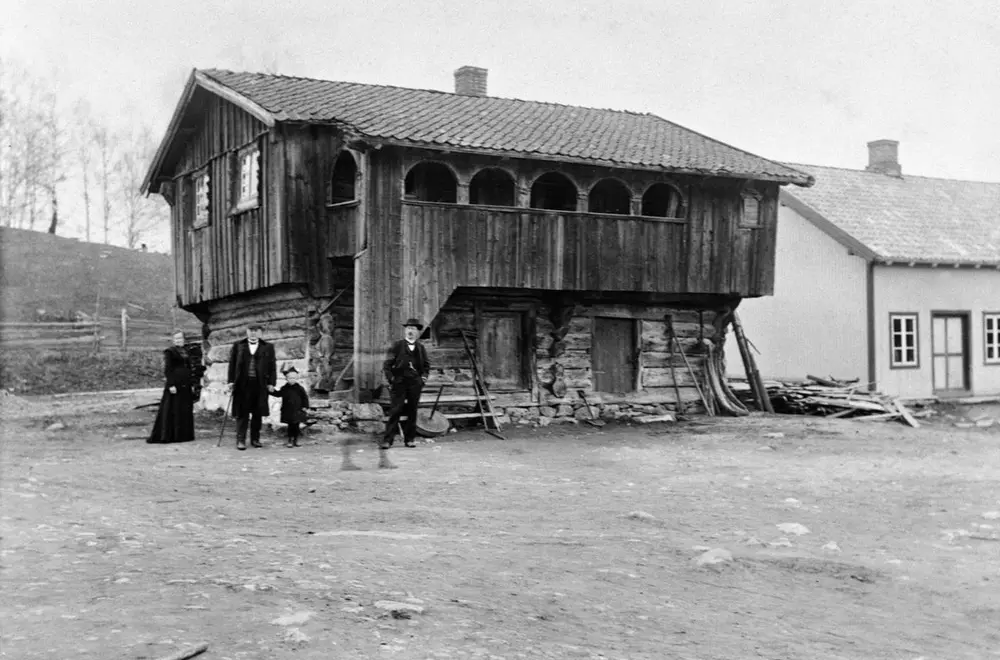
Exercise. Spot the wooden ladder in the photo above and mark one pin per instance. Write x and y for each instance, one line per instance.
(482, 392)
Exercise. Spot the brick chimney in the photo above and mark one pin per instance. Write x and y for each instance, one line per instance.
(471, 81)
(883, 157)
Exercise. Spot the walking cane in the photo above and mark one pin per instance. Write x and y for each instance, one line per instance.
(225, 416)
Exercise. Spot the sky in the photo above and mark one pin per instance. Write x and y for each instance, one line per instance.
(808, 81)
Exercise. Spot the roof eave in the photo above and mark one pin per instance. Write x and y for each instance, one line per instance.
(151, 182)
(237, 99)
(804, 181)
(936, 263)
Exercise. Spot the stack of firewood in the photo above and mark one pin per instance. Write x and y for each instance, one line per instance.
(829, 397)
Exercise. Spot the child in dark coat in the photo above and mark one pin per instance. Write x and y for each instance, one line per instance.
(294, 402)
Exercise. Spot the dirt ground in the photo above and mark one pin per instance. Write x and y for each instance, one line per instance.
(569, 542)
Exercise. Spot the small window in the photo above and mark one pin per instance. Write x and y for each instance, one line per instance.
(201, 200)
(248, 178)
(903, 338)
(342, 183)
(991, 337)
(750, 210)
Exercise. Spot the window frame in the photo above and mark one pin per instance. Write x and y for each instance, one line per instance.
(995, 360)
(247, 197)
(758, 200)
(199, 220)
(356, 189)
(904, 364)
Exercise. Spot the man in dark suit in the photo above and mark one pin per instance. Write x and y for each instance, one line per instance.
(252, 374)
(406, 369)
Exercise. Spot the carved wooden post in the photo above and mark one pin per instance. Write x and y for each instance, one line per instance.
(523, 193)
(637, 204)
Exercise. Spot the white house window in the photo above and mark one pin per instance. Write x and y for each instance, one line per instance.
(201, 214)
(991, 337)
(248, 164)
(903, 341)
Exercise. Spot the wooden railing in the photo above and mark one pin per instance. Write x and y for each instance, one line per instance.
(449, 245)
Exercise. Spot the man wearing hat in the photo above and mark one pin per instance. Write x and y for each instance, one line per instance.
(252, 374)
(406, 369)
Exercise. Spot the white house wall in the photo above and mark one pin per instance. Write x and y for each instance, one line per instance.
(922, 291)
(815, 323)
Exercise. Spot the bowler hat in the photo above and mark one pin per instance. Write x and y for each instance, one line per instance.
(414, 322)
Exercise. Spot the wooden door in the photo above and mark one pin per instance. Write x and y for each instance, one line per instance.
(949, 352)
(613, 355)
(500, 348)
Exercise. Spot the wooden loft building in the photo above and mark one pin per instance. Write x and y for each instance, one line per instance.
(557, 237)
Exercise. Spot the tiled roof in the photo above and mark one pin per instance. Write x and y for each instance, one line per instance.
(909, 218)
(510, 126)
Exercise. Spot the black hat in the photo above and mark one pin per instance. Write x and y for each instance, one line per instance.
(415, 323)
(254, 325)
(290, 370)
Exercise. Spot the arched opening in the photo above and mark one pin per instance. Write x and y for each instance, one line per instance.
(610, 196)
(553, 191)
(344, 179)
(662, 200)
(492, 187)
(430, 182)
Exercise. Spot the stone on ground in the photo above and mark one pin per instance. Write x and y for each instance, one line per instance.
(713, 557)
(793, 528)
(392, 606)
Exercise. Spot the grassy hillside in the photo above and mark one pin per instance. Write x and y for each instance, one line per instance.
(64, 275)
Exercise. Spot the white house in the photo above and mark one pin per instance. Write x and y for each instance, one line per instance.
(891, 279)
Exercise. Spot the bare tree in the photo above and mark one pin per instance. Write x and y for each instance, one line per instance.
(141, 214)
(84, 158)
(105, 171)
(53, 172)
(19, 133)
(31, 160)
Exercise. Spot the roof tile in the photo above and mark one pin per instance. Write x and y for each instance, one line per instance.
(909, 218)
(514, 126)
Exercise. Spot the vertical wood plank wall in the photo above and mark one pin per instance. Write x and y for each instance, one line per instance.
(446, 246)
(313, 232)
(378, 271)
(232, 254)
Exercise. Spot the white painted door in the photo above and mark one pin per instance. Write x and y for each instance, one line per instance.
(949, 353)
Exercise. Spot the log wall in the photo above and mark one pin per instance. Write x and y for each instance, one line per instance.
(291, 322)
(560, 342)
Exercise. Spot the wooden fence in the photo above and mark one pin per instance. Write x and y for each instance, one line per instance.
(105, 334)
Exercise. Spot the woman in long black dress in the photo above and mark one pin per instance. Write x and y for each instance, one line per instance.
(175, 418)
